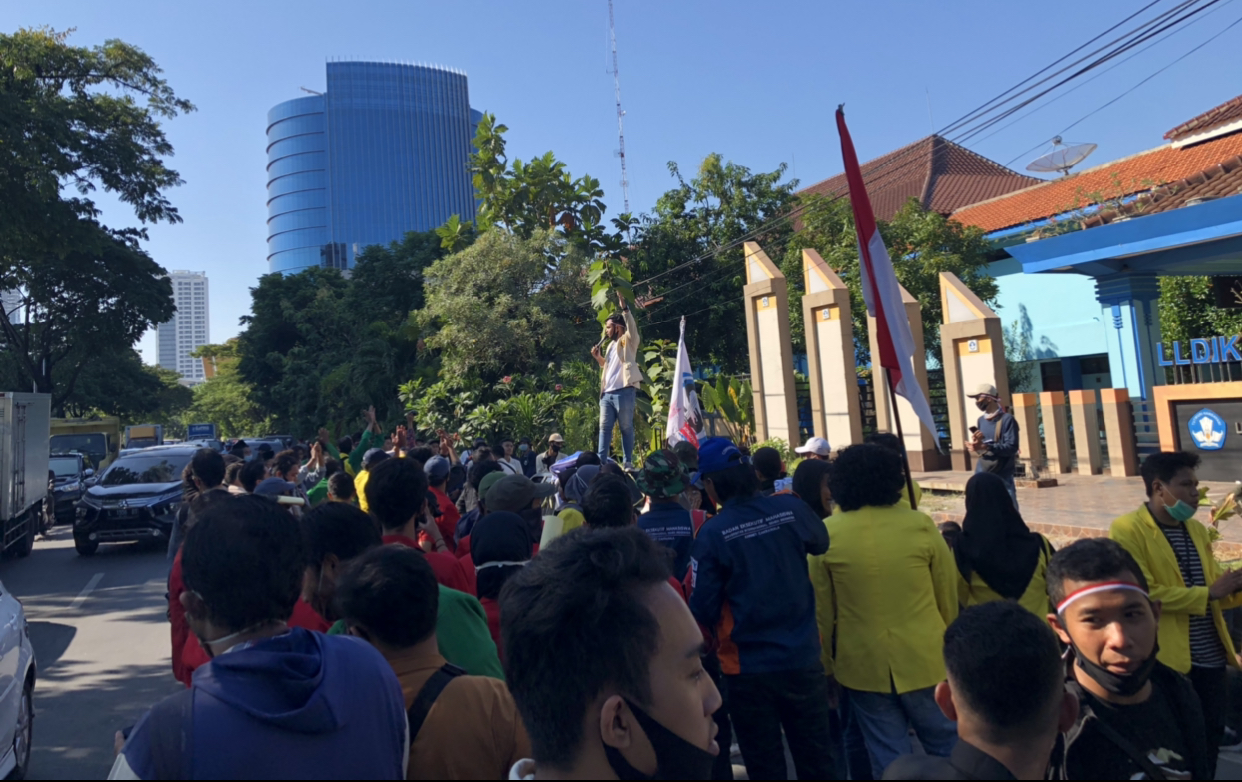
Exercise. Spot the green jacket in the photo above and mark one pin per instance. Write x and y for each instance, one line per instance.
(461, 629)
(358, 451)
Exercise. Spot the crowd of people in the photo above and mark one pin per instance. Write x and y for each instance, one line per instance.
(386, 606)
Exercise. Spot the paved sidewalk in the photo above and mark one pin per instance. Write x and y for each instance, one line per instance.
(1078, 506)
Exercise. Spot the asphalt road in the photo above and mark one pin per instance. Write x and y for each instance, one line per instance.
(101, 645)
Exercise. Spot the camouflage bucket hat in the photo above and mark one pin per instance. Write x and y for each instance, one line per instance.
(662, 475)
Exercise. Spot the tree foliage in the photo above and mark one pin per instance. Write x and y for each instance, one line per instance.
(1188, 310)
(72, 120)
(498, 308)
(226, 399)
(921, 243)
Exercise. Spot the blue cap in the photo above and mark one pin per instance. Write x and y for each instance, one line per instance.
(437, 468)
(716, 454)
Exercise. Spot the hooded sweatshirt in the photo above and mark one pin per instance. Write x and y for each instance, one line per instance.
(301, 705)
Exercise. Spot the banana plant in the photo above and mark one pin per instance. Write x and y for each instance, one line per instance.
(731, 399)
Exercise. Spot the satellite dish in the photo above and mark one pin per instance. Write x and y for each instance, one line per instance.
(1062, 157)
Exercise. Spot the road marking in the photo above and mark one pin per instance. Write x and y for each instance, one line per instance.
(86, 591)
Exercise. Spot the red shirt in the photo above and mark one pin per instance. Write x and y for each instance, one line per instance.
(308, 618)
(448, 569)
(446, 521)
(492, 609)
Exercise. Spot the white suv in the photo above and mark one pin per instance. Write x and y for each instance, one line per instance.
(17, 679)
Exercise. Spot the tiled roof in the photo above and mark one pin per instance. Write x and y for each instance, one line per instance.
(1127, 176)
(941, 175)
(1229, 111)
(1220, 181)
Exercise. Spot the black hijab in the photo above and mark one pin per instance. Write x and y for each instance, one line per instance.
(500, 537)
(995, 541)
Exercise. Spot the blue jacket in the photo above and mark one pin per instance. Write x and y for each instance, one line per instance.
(302, 705)
(1000, 435)
(669, 523)
(752, 587)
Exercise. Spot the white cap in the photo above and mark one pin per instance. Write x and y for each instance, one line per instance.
(555, 438)
(816, 445)
(984, 389)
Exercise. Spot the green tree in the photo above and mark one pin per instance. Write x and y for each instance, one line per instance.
(498, 308)
(118, 383)
(226, 399)
(921, 243)
(1188, 310)
(73, 119)
(697, 229)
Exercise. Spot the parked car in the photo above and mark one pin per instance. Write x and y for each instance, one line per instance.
(135, 499)
(71, 474)
(17, 681)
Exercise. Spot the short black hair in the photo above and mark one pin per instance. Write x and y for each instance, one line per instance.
(618, 319)
(231, 472)
(345, 444)
(421, 454)
(587, 457)
(244, 556)
(479, 471)
(285, 461)
(332, 467)
(866, 475)
(767, 462)
(1163, 466)
(607, 503)
(1005, 663)
(736, 481)
(391, 592)
(342, 486)
(886, 440)
(338, 528)
(396, 491)
(251, 474)
(583, 596)
(807, 480)
(208, 466)
(1088, 560)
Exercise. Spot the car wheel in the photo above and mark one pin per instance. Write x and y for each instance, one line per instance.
(24, 734)
(85, 546)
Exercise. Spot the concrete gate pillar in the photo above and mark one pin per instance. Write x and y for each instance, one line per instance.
(973, 352)
(836, 413)
(771, 353)
(920, 444)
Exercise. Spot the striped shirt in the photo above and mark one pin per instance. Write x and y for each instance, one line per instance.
(1206, 650)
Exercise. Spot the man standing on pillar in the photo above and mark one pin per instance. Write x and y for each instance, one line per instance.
(995, 440)
(621, 378)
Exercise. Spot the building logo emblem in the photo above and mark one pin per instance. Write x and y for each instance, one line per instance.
(1207, 429)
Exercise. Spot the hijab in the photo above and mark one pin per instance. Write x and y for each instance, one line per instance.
(499, 545)
(995, 541)
(576, 489)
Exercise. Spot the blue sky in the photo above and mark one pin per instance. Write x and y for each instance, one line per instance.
(756, 82)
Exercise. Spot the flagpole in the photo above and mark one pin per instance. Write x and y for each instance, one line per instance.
(905, 457)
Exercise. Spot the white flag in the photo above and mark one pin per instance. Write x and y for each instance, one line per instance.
(685, 420)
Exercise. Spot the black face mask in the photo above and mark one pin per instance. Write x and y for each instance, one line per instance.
(676, 758)
(1123, 684)
(556, 447)
(982, 404)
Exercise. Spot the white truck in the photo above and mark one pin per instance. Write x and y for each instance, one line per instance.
(25, 430)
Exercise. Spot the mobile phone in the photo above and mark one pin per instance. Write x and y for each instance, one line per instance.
(974, 429)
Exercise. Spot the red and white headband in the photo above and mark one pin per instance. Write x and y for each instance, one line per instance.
(1102, 587)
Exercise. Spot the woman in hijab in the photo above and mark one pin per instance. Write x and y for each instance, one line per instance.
(500, 545)
(998, 557)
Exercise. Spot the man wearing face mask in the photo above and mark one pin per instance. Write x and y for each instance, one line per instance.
(1175, 554)
(527, 457)
(625, 695)
(543, 464)
(1138, 718)
(995, 439)
(275, 701)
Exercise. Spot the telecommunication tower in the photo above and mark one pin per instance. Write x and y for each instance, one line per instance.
(616, 85)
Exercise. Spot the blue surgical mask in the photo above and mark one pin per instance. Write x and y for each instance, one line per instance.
(1181, 510)
(523, 447)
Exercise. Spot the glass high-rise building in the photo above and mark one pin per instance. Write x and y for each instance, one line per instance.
(383, 151)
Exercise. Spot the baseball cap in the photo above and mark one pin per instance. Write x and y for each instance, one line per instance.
(662, 475)
(373, 457)
(437, 468)
(717, 454)
(984, 389)
(272, 487)
(555, 438)
(816, 445)
(488, 482)
(515, 493)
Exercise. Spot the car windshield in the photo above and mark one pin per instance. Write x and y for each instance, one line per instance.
(147, 468)
(94, 444)
(64, 466)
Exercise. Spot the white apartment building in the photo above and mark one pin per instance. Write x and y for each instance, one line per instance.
(188, 328)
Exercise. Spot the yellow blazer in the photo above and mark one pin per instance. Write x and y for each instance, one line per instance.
(1139, 534)
(884, 593)
(1034, 599)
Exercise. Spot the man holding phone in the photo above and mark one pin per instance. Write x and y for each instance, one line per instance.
(995, 440)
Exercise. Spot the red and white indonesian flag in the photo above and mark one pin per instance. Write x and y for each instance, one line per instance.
(685, 421)
(882, 291)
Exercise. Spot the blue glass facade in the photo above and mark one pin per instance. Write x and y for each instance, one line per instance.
(384, 151)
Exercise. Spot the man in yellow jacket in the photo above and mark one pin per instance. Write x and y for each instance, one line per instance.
(885, 591)
(620, 379)
(1175, 554)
